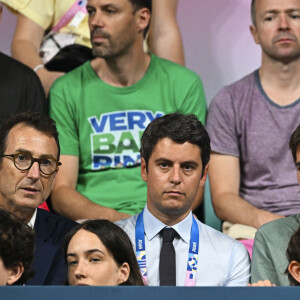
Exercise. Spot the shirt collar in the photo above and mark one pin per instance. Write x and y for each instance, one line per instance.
(153, 226)
(32, 220)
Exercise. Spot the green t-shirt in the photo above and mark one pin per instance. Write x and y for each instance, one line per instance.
(103, 124)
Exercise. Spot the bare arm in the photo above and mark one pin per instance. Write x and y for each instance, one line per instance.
(71, 204)
(164, 35)
(224, 175)
(25, 48)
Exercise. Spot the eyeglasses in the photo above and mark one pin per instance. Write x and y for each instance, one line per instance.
(23, 162)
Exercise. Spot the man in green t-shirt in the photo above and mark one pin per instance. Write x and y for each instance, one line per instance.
(102, 108)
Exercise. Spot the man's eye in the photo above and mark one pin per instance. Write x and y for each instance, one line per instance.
(164, 165)
(295, 16)
(269, 18)
(46, 162)
(23, 157)
(188, 167)
(90, 11)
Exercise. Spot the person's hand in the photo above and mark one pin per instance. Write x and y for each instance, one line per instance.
(262, 283)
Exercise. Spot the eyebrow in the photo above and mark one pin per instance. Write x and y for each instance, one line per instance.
(276, 11)
(29, 152)
(87, 252)
(190, 162)
(298, 164)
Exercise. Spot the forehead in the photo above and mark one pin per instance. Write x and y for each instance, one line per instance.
(84, 240)
(262, 6)
(171, 150)
(100, 3)
(22, 137)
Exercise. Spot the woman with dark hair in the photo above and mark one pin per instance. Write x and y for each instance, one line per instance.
(99, 252)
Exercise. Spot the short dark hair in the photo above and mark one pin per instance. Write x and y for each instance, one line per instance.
(138, 4)
(16, 245)
(179, 128)
(253, 13)
(293, 253)
(37, 120)
(116, 242)
(295, 142)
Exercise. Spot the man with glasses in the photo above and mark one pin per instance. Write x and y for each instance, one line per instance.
(29, 161)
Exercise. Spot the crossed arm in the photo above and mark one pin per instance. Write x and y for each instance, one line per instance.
(224, 176)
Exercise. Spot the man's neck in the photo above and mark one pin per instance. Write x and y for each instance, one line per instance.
(169, 219)
(122, 71)
(281, 81)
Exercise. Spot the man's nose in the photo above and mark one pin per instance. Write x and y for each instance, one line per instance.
(34, 171)
(283, 22)
(96, 20)
(175, 175)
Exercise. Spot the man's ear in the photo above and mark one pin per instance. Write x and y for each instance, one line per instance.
(294, 269)
(144, 170)
(204, 177)
(254, 34)
(124, 272)
(14, 274)
(143, 18)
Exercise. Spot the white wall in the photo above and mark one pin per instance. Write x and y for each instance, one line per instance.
(217, 41)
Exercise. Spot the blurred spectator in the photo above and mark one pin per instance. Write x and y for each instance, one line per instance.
(16, 250)
(20, 88)
(36, 18)
(102, 108)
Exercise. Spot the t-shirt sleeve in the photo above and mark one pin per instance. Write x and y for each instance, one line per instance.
(262, 267)
(39, 11)
(195, 102)
(221, 124)
(64, 114)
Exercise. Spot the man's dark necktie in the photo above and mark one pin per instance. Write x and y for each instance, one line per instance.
(167, 264)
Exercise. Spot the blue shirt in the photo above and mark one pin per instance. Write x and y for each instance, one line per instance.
(222, 261)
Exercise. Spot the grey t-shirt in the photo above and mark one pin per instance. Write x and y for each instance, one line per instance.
(243, 122)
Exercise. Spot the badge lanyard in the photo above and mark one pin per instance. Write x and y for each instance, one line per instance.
(192, 263)
(76, 12)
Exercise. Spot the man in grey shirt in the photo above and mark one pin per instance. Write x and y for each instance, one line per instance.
(252, 176)
(175, 151)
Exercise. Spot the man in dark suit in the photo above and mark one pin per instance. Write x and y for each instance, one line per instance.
(29, 161)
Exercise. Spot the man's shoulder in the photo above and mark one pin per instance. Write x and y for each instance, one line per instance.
(52, 225)
(217, 238)
(128, 223)
(281, 228)
(241, 85)
(77, 76)
(8, 63)
(173, 69)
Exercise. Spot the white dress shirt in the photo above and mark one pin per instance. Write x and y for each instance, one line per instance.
(222, 261)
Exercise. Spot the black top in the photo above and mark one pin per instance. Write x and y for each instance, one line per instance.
(20, 88)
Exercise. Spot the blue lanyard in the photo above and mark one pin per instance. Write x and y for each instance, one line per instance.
(140, 247)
